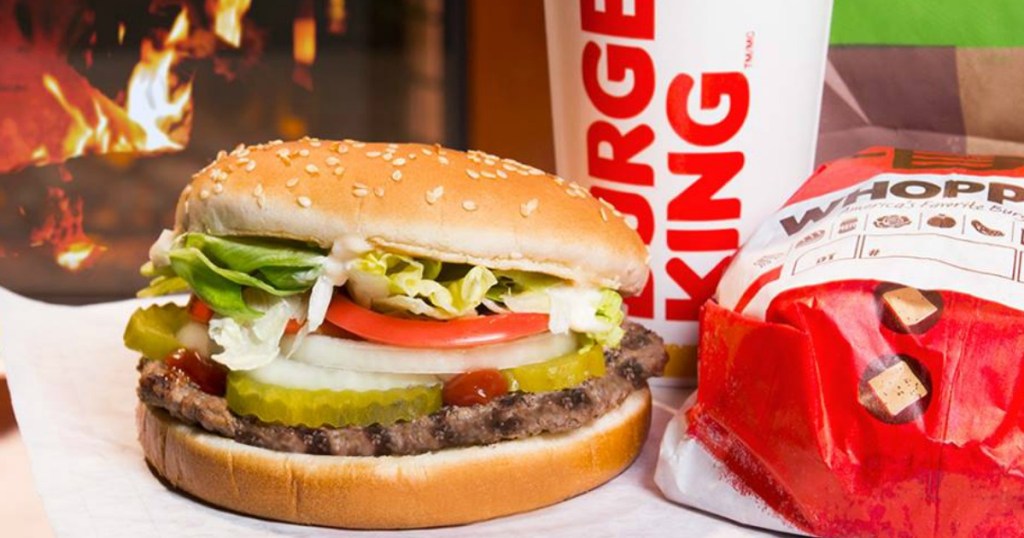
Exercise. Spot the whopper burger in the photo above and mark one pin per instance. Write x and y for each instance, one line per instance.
(390, 336)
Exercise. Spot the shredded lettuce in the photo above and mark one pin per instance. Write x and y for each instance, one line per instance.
(397, 283)
(610, 311)
(245, 345)
(218, 269)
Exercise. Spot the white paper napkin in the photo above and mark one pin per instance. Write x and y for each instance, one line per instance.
(73, 387)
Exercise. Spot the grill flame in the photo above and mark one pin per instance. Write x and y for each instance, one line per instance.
(157, 101)
(227, 19)
(156, 116)
(62, 229)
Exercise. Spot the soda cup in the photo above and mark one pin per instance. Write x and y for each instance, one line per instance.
(695, 119)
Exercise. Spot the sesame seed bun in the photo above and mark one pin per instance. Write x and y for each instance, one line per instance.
(420, 200)
(449, 487)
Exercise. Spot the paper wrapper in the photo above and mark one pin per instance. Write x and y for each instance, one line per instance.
(860, 371)
(73, 386)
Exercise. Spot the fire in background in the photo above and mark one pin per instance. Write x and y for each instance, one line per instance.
(53, 113)
(108, 107)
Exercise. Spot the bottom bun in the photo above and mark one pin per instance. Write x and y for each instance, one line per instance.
(449, 487)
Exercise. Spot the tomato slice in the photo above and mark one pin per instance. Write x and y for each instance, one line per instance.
(199, 310)
(293, 326)
(462, 332)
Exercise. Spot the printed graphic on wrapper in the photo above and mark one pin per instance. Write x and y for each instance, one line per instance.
(930, 231)
(860, 373)
(696, 119)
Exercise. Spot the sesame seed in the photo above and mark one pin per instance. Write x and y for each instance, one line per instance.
(490, 162)
(243, 160)
(342, 149)
(332, 161)
(433, 195)
(509, 167)
(358, 185)
(250, 166)
(559, 181)
(187, 191)
(522, 172)
(283, 155)
(604, 215)
(292, 182)
(218, 188)
(339, 170)
(536, 172)
(529, 207)
(315, 143)
(360, 193)
(261, 201)
(303, 152)
(489, 175)
(387, 156)
(632, 223)
(204, 194)
(396, 175)
(502, 174)
(475, 159)
(469, 205)
(372, 154)
(472, 173)
(378, 192)
(442, 160)
(427, 151)
(258, 191)
(221, 154)
(358, 144)
(399, 161)
(312, 169)
(412, 156)
(276, 142)
(392, 146)
(304, 201)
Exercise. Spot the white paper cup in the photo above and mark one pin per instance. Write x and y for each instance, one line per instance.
(697, 119)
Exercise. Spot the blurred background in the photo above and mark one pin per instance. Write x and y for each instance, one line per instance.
(108, 107)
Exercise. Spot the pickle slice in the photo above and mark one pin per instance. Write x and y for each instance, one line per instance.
(558, 373)
(325, 407)
(152, 330)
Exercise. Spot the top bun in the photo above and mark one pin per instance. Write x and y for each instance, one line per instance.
(420, 200)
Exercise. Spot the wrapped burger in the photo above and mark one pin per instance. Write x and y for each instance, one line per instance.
(860, 372)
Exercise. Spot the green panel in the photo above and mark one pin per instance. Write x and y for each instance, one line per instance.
(967, 23)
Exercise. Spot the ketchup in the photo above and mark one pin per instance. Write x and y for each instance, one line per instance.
(473, 388)
(209, 376)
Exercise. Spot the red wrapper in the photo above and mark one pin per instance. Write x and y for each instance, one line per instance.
(877, 389)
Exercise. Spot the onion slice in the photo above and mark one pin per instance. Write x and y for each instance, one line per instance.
(355, 355)
(290, 374)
